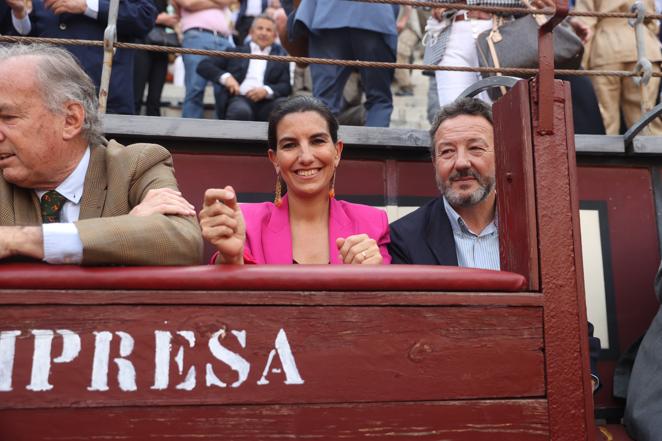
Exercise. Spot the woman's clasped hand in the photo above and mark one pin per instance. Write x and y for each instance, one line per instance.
(223, 224)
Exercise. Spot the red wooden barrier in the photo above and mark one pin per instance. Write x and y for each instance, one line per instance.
(263, 352)
(317, 351)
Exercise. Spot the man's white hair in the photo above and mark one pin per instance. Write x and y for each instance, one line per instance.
(61, 80)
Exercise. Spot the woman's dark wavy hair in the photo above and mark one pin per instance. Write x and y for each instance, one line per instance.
(300, 104)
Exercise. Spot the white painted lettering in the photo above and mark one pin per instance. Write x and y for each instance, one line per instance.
(162, 361)
(7, 349)
(41, 358)
(282, 348)
(126, 375)
(236, 362)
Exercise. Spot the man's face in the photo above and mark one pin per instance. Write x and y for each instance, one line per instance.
(263, 32)
(31, 136)
(464, 159)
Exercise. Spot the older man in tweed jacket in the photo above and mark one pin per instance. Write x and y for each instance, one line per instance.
(66, 194)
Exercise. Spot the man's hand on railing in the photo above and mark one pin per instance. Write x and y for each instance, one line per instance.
(21, 241)
(163, 201)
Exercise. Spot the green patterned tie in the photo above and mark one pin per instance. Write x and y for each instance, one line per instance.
(51, 205)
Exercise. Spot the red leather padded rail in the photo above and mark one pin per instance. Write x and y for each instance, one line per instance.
(260, 277)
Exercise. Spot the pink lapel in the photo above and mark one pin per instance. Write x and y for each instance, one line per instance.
(339, 226)
(277, 236)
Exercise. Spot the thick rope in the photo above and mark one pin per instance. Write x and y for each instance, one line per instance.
(508, 10)
(307, 60)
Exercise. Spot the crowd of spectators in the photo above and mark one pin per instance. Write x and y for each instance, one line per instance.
(337, 29)
(457, 228)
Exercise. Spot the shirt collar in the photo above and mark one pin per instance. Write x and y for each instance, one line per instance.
(72, 187)
(255, 49)
(459, 227)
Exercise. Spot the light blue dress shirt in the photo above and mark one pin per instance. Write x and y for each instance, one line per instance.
(474, 250)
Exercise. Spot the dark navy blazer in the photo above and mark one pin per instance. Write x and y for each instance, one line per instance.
(424, 237)
(135, 19)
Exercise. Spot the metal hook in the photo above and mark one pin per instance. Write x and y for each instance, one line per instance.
(639, 9)
(109, 40)
(643, 65)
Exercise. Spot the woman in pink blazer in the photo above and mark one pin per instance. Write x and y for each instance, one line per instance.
(307, 225)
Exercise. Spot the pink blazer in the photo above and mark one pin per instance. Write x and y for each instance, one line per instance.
(269, 238)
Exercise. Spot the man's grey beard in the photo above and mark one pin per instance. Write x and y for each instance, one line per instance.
(485, 186)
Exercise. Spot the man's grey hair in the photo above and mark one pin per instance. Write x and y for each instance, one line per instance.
(461, 106)
(263, 17)
(61, 79)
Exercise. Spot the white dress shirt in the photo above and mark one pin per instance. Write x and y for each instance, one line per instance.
(22, 25)
(61, 240)
(253, 8)
(254, 74)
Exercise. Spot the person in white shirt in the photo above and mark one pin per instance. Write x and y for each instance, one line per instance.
(252, 88)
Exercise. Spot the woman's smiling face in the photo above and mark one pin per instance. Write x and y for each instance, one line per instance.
(305, 155)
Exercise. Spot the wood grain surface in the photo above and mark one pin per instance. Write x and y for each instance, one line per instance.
(511, 420)
(342, 354)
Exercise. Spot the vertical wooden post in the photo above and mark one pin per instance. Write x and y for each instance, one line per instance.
(538, 211)
(518, 230)
(569, 389)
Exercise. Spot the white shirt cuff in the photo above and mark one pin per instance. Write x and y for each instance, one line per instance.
(62, 244)
(270, 92)
(23, 25)
(224, 78)
(92, 10)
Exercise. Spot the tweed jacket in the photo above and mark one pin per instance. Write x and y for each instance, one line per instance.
(117, 179)
(435, 41)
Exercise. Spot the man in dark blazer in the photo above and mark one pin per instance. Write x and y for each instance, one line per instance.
(251, 87)
(66, 194)
(5, 18)
(78, 19)
(459, 228)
